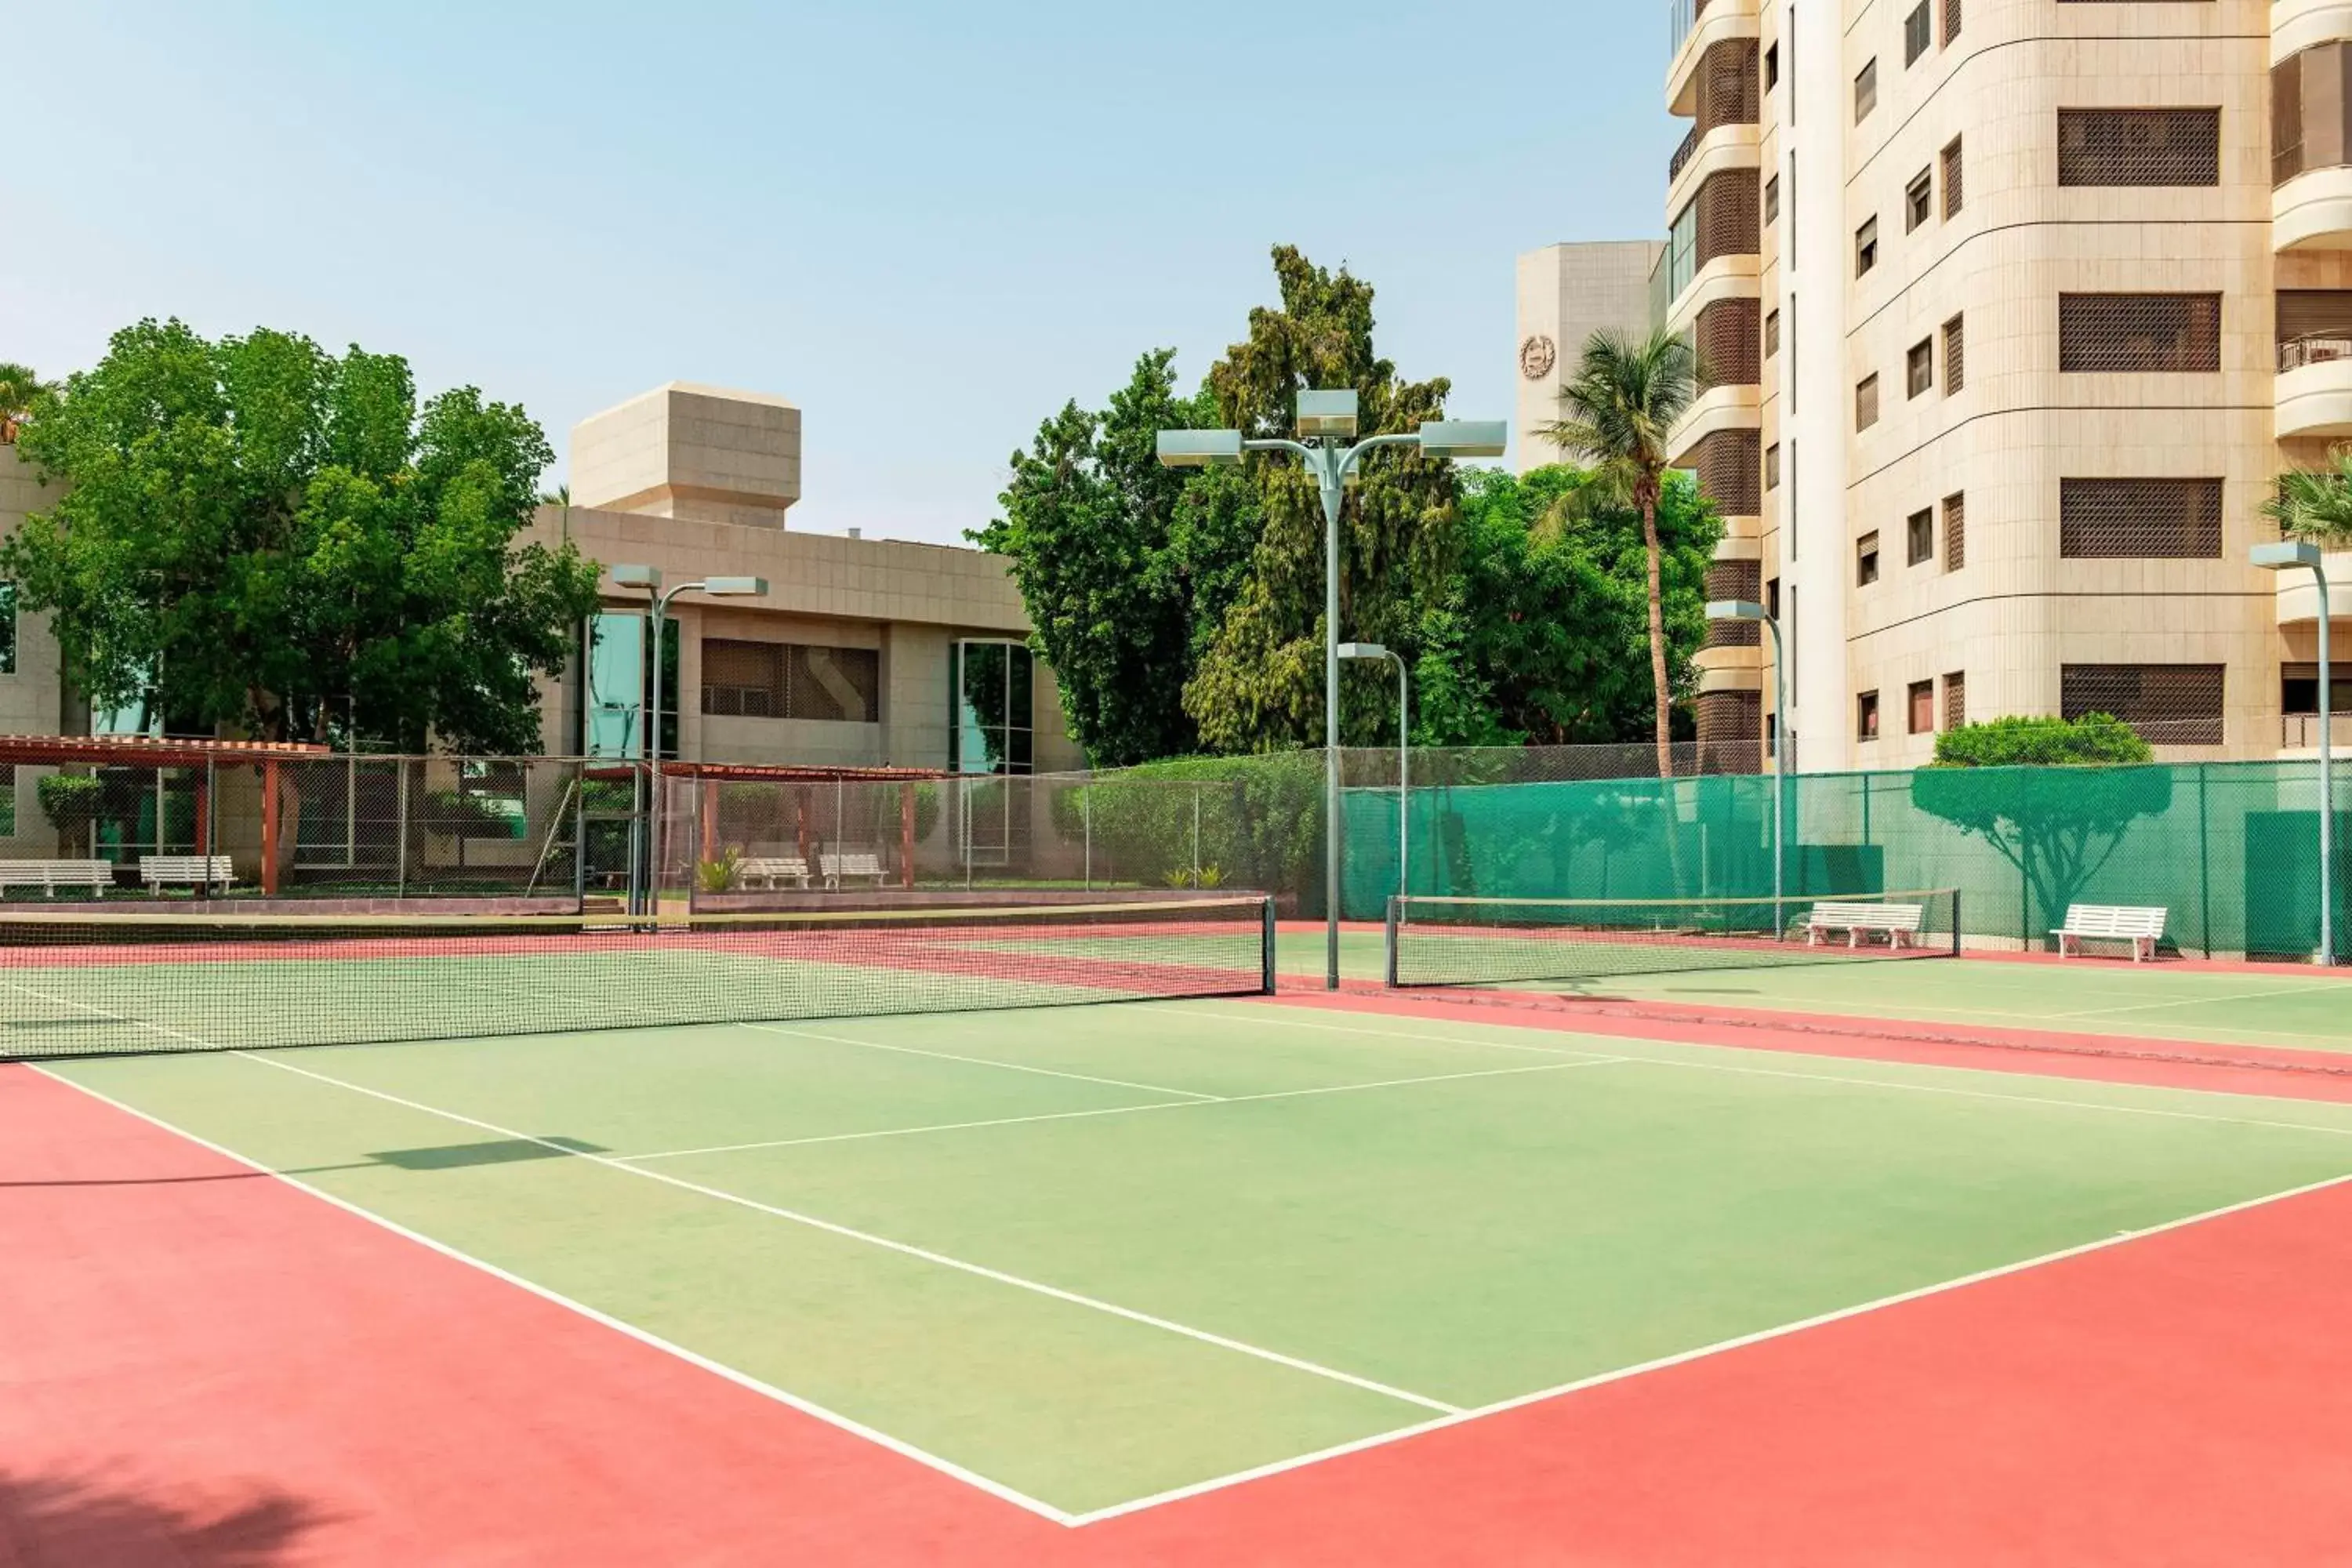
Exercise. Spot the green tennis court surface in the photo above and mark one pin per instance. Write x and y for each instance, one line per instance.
(2095, 997)
(1089, 1255)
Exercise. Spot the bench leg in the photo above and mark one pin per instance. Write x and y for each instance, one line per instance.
(2143, 949)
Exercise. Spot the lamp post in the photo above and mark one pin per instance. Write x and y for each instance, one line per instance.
(649, 578)
(1745, 610)
(1372, 650)
(2289, 555)
(1325, 420)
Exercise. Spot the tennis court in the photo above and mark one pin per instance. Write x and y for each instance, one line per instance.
(1092, 1260)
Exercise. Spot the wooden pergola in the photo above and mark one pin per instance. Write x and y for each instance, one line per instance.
(158, 751)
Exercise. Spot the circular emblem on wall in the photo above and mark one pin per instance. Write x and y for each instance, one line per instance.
(1536, 356)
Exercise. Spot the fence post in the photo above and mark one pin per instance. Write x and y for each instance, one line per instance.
(579, 837)
(1196, 836)
(400, 828)
(1087, 815)
(2204, 864)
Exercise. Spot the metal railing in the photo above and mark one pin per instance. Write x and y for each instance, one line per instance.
(1675, 165)
(2318, 348)
(1682, 15)
(2300, 732)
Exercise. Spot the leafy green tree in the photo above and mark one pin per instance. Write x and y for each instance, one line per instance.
(1126, 566)
(1259, 683)
(257, 533)
(1616, 413)
(18, 387)
(2316, 505)
(2066, 794)
(1547, 609)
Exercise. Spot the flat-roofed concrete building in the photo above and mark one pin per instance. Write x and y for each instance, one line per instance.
(1566, 293)
(2014, 310)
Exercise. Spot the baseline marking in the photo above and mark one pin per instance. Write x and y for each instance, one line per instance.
(1896, 1085)
(1383, 1439)
(907, 1250)
(1123, 1109)
(743, 1379)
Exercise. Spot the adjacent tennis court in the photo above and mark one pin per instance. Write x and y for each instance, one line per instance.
(1089, 1259)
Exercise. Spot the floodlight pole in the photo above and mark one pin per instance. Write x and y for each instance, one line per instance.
(1330, 463)
(2279, 557)
(1779, 774)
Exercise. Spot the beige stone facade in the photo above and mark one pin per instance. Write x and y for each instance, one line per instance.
(2030, 324)
(1566, 293)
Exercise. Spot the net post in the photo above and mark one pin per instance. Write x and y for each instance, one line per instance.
(1271, 967)
(1389, 940)
(1956, 922)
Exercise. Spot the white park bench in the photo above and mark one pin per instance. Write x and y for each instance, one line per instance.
(199, 871)
(2143, 928)
(50, 875)
(1899, 921)
(862, 864)
(768, 870)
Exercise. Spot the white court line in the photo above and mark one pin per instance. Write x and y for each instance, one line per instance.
(1121, 1109)
(906, 1249)
(2302, 990)
(743, 1379)
(1517, 1402)
(1993, 1016)
(975, 1061)
(1902, 1087)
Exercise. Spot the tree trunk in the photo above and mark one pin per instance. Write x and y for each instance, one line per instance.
(1658, 636)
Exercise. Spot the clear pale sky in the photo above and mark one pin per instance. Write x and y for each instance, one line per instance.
(928, 224)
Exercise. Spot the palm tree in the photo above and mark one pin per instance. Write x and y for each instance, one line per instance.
(18, 387)
(2316, 505)
(1627, 393)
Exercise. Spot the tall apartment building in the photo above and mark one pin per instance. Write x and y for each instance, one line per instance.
(1566, 293)
(2010, 312)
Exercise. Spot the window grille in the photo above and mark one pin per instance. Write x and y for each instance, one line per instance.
(1727, 92)
(2120, 333)
(1730, 464)
(1771, 333)
(2169, 704)
(2164, 520)
(1956, 700)
(1919, 200)
(2140, 146)
(1865, 404)
(1730, 725)
(1956, 354)
(1725, 216)
(1727, 335)
(1919, 537)
(1951, 21)
(1865, 559)
(1955, 531)
(1772, 199)
(1741, 580)
(1952, 192)
(1865, 247)
(1922, 704)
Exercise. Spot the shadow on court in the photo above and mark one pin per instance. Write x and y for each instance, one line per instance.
(97, 1520)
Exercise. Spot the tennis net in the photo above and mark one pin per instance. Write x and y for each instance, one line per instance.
(79, 984)
(1506, 942)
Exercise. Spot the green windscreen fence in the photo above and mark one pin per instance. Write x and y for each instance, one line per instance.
(2230, 850)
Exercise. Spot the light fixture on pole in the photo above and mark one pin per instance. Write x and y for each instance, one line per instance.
(1374, 651)
(1326, 419)
(718, 587)
(2300, 554)
(1747, 610)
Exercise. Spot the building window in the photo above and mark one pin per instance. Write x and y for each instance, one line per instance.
(1951, 21)
(1866, 92)
(2167, 704)
(989, 690)
(1772, 608)
(2140, 520)
(1955, 531)
(1956, 354)
(1865, 559)
(1918, 32)
(1727, 338)
(1865, 403)
(8, 804)
(1739, 580)
(1731, 468)
(791, 680)
(1771, 67)
(1865, 716)
(1771, 333)
(1922, 703)
(1919, 537)
(2112, 334)
(613, 716)
(2139, 147)
(1865, 247)
(1772, 466)
(1772, 199)
(1956, 700)
(2299, 692)
(1951, 161)
(1920, 369)
(1918, 200)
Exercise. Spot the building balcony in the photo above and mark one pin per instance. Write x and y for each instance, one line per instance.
(2311, 209)
(2299, 734)
(2300, 25)
(2298, 598)
(1717, 408)
(1726, 147)
(2315, 386)
(1693, 27)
